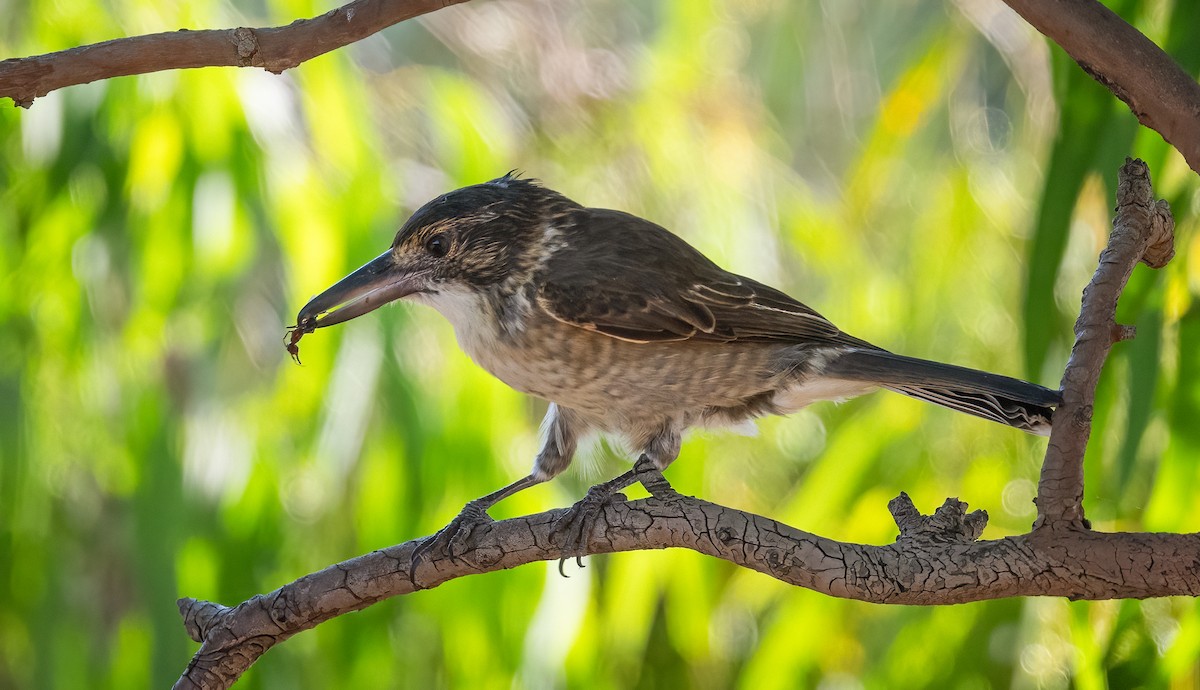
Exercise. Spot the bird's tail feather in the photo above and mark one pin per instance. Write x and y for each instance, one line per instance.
(1002, 399)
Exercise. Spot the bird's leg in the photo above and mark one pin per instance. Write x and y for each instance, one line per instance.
(474, 513)
(576, 523)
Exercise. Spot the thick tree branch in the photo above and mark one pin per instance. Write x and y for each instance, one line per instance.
(935, 560)
(1143, 230)
(1154, 86)
(275, 49)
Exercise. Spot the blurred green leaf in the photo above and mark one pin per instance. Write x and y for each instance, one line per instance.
(908, 170)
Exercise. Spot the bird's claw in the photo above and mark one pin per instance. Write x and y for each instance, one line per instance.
(573, 527)
(453, 539)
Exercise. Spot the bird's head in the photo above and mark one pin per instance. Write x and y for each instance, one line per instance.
(477, 238)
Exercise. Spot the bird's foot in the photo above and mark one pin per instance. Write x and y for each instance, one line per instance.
(576, 524)
(454, 538)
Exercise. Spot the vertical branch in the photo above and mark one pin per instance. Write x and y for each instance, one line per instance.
(1143, 230)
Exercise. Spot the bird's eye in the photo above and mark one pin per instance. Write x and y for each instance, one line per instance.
(437, 245)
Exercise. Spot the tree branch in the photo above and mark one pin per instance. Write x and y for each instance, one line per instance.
(1154, 86)
(935, 560)
(275, 49)
(1143, 230)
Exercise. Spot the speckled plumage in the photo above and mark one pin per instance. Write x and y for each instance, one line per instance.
(629, 330)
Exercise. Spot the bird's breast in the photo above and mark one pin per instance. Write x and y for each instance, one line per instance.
(616, 383)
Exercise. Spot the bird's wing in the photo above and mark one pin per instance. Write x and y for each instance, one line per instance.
(628, 278)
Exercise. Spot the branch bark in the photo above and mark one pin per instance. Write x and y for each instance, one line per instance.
(275, 49)
(1161, 95)
(1143, 230)
(936, 559)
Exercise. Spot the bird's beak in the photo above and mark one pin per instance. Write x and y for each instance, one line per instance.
(380, 281)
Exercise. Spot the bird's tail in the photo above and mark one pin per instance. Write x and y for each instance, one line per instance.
(1010, 401)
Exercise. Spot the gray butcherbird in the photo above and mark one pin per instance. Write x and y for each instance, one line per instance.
(627, 329)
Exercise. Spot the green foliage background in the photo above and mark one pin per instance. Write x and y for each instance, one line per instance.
(930, 175)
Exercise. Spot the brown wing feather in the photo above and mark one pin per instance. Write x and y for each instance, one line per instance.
(643, 284)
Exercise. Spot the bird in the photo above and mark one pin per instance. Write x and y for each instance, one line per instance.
(627, 330)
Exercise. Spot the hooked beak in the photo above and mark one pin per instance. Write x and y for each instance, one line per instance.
(375, 284)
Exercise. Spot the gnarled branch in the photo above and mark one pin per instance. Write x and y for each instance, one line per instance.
(936, 559)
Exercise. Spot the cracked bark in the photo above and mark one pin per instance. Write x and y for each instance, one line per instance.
(937, 559)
